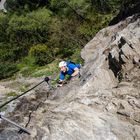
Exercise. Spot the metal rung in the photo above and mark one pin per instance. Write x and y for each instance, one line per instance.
(15, 124)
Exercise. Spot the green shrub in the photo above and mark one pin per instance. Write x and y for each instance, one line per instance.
(3, 26)
(7, 69)
(42, 54)
(26, 30)
(12, 93)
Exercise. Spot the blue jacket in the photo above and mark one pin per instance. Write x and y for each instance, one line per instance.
(70, 70)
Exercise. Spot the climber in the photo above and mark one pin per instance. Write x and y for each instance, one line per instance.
(68, 68)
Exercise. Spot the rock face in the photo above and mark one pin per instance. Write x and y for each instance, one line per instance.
(2, 5)
(104, 104)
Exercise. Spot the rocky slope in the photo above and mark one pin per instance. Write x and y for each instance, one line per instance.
(104, 104)
(2, 5)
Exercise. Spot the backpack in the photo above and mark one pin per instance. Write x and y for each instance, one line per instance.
(77, 65)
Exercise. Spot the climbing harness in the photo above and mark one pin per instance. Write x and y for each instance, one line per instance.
(22, 129)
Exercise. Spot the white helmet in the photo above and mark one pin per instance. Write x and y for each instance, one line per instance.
(62, 64)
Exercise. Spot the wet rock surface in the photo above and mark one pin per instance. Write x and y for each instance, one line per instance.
(104, 104)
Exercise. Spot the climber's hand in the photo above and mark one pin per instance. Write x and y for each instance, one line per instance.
(60, 83)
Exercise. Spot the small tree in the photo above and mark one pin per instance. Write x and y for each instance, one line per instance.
(7, 69)
(42, 54)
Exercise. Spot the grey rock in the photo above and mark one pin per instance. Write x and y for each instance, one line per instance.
(103, 104)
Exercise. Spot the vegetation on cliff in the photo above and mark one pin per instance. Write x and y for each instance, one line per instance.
(33, 33)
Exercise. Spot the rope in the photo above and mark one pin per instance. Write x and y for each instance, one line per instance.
(4, 104)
